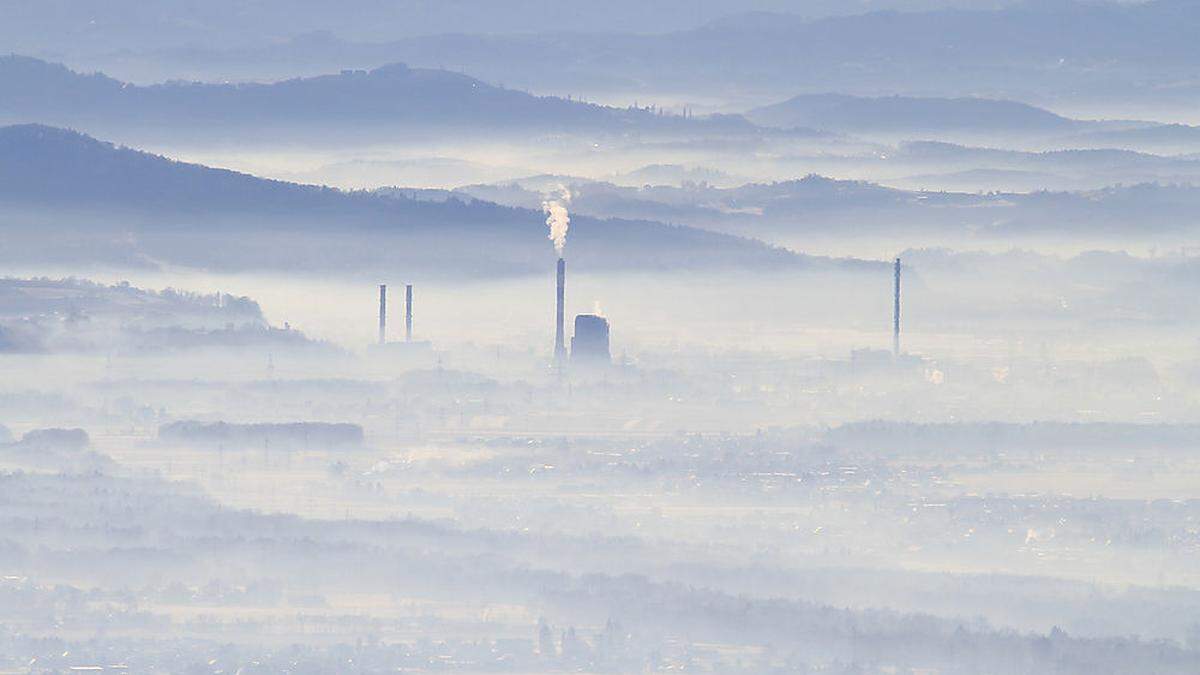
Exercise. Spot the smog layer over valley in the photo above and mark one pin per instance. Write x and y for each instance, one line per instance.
(729, 336)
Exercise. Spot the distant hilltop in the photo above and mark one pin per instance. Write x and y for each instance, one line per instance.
(911, 114)
(77, 316)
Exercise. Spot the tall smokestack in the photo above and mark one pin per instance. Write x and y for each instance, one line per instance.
(560, 344)
(408, 313)
(896, 313)
(382, 313)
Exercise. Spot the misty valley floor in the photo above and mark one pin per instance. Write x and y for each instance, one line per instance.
(475, 528)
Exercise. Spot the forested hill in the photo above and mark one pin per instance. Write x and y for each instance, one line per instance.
(93, 187)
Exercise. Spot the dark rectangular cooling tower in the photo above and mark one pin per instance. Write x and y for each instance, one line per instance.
(590, 343)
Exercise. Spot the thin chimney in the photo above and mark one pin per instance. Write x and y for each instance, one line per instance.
(896, 313)
(560, 346)
(382, 313)
(408, 313)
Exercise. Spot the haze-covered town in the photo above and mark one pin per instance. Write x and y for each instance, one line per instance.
(732, 337)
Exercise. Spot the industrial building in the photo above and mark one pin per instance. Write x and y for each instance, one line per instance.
(590, 343)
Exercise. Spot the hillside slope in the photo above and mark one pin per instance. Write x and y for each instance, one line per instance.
(104, 200)
(906, 114)
(389, 98)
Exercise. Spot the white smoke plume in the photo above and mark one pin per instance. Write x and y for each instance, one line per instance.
(558, 218)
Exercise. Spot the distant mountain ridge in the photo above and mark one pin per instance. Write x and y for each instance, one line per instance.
(1024, 51)
(389, 97)
(841, 112)
(107, 201)
(125, 24)
(815, 210)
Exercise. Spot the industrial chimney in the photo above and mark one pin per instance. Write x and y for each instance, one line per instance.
(382, 313)
(560, 345)
(408, 313)
(896, 313)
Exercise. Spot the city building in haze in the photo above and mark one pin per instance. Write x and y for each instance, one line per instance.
(590, 343)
